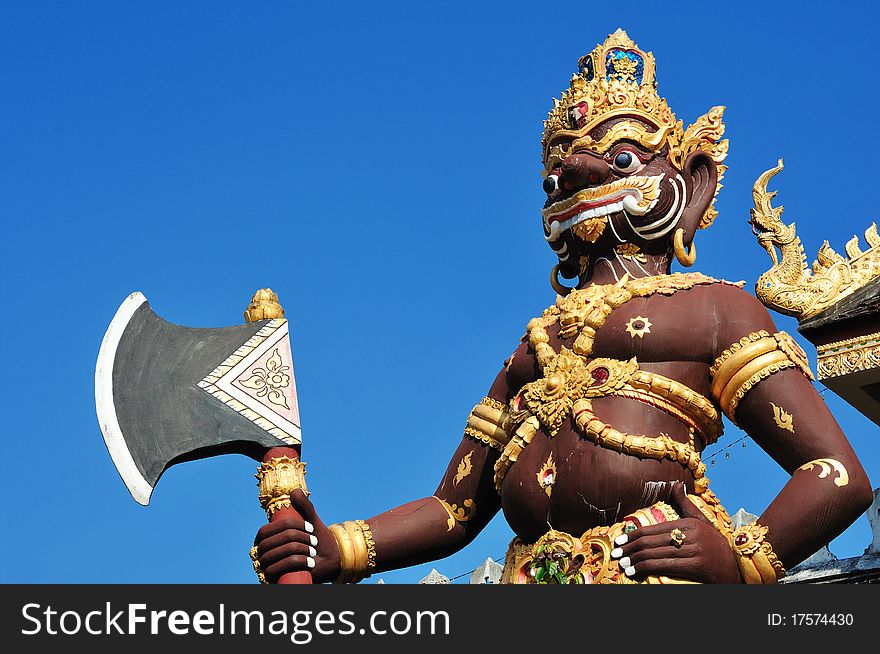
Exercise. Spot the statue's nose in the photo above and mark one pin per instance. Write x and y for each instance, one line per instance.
(582, 170)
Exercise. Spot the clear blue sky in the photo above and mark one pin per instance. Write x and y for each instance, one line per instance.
(378, 166)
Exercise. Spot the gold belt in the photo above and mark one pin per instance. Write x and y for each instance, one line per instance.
(560, 558)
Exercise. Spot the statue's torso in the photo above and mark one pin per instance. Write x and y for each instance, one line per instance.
(669, 335)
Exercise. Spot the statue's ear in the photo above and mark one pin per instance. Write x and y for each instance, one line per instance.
(701, 180)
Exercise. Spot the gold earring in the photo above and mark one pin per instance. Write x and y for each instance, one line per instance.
(558, 286)
(684, 257)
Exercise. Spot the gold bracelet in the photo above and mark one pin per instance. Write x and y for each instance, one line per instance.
(255, 558)
(357, 551)
(486, 423)
(755, 557)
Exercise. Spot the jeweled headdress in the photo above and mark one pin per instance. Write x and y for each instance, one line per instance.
(617, 79)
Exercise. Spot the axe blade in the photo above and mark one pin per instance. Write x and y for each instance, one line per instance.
(166, 393)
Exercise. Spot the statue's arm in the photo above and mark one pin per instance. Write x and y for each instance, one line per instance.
(416, 532)
(785, 415)
(466, 498)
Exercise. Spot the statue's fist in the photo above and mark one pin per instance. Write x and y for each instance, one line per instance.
(289, 544)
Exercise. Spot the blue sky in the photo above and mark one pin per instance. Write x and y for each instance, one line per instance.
(378, 166)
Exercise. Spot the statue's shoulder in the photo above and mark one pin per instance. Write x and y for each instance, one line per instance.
(735, 312)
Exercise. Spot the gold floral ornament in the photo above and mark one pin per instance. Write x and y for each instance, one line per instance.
(269, 381)
(784, 420)
(639, 326)
(826, 466)
(464, 468)
(550, 399)
(456, 513)
(547, 475)
(277, 479)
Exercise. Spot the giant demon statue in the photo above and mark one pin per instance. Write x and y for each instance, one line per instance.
(589, 439)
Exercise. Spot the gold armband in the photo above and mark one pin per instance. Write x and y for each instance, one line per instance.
(487, 423)
(750, 360)
(757, 561)
(357, 551)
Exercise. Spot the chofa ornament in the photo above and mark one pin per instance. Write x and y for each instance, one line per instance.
(791, 288)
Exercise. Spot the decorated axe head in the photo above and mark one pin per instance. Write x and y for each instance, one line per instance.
(166, 393)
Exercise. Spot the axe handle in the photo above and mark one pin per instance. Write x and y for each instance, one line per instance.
(276, 453)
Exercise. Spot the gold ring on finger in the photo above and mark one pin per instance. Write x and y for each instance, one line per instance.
(677, 537)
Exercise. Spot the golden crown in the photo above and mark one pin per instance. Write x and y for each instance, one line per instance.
(617, 79)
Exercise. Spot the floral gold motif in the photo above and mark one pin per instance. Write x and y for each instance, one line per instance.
(456, 514)
(551, 398)
(825, 468)
(639, 326)
(464, 468)
(784, 420)
(630, 252)
(547, 475)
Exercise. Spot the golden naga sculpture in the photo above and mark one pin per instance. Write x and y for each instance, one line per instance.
(791, 288)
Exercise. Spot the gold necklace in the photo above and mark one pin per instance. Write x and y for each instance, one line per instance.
(584, 311)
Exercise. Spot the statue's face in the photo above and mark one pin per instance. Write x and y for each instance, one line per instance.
(614, 185)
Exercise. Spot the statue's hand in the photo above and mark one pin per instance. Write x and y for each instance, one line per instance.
(296, 545)
(704, 555)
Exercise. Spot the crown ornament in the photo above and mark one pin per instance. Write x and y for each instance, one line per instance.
(617, 79)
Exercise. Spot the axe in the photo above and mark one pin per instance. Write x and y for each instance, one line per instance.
(165, 394)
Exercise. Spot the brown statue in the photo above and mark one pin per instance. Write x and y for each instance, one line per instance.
(589, 439)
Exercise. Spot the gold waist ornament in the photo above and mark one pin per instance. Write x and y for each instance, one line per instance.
(560, 558)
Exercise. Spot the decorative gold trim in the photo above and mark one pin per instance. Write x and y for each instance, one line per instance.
(456, 514)
(759, 376)
(277, 479)
(561, 558)
(850, 355)
(521, 438)
(825, 468)
(795, 353)
(783, 419)
(257, 569)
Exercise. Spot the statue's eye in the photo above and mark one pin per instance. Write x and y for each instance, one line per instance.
(626, 161)
(551, 185)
